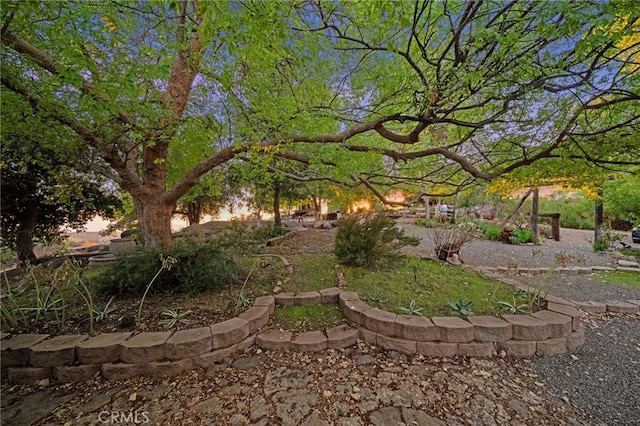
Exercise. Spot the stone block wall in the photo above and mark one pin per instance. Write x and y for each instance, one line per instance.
(28, 358)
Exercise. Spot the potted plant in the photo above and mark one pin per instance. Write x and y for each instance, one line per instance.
(449, 241)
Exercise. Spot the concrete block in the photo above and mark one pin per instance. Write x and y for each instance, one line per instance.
(274, 339)
(257, 317)
(268, 301)
(379, 321)
(397, 344)
(476, 349)
(518, 348)
(559, 325)
(56, 352)
(308, 298)
(574, 313)
(592, 307)
(330, 295)
(122, 371)
(144, 347)
(353, 309)
(551, 346)
(526, 327)
(16, 350)
(621, 307)
(28, 375)
(453, 329)
(490, 329)
(285, 299)
(229, 332)
(437, 349)
(310, 341)
(101, 348)
(341, 336)
(412, 327)
(76, 373)
(189, 343)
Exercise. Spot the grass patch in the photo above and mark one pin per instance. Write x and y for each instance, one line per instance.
(630, 252)
(312, 272)
(305, 318)
(620, 279)
(431, 284)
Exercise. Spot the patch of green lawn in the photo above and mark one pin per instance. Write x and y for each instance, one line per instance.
(620, 279)
(304, 318)
(312, 272)
(431, 284)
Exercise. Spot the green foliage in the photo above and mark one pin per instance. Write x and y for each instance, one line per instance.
(127, 321)
(619, 279)
(576, 212)
(310, 317)
(460, 307)
(431, 284)
(45, 302)
(493, 233)
(200, 266)
(514, 307)
(368, 240)
(520, 236)
(374, 297)
(412, 309)
(622, 198)
(268, 232)
(242, 301)
(427, 223)
(174, 317)
(103, 314)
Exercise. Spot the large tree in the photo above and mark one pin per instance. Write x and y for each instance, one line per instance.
(422, 91)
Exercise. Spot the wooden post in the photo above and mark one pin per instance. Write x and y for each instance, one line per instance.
(534, 216)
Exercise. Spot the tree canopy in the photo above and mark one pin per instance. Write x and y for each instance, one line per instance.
(373, 93)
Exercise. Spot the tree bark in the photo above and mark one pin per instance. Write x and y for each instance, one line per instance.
(24, 235)
(534, 216)
(277, 218)
(597, 228)
(155, 222)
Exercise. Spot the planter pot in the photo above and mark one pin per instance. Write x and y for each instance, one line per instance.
(446, 251)
(122, 246)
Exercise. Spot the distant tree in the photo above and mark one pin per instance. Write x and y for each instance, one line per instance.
(41, 188)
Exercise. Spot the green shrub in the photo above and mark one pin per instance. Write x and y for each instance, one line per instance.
(199, 266)
(367, 240)
(427, 223)
(493, 232)
(521, 236)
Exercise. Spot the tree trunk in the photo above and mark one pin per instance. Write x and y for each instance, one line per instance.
(194, 213)
(155, 222)
(597, 228)
(24, 235)
(317, 204)
(427, 208)
(534, 216)
(277, 218)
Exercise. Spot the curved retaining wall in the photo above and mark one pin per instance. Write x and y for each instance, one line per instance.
(28, 358)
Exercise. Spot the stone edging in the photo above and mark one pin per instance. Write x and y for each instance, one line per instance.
(27, 358)
(572, 270)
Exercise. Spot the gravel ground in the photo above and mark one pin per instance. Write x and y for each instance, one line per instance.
(602, 377)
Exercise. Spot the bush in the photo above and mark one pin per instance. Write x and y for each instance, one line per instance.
(367, 240)
(521, 236)
(427, 223)
(493, 232)
(199, 267)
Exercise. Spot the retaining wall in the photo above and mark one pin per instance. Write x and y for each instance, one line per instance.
(28, 358)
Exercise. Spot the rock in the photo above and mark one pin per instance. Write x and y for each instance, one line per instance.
(628, 264)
